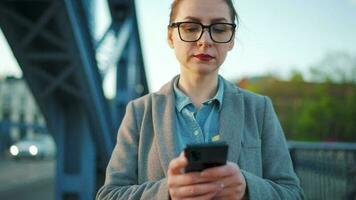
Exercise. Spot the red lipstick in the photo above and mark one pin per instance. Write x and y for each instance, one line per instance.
(204, 57)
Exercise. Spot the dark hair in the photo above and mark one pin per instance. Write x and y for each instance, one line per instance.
(233, 13)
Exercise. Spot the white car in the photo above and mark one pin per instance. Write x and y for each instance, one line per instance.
(40, 147)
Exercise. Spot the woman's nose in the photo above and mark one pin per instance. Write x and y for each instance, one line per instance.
(205, 38)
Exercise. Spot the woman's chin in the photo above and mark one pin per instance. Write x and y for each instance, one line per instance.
(205, 69)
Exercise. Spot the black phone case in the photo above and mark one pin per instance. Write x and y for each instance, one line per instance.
(202, 156)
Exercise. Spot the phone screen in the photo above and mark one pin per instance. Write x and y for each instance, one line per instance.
(202, 156)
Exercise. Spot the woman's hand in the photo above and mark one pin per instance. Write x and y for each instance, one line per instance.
(190, 185)
(231, 178)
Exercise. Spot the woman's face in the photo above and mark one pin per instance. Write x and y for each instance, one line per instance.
(203, 56)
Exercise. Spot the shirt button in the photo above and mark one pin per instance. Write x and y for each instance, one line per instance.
(196, 132)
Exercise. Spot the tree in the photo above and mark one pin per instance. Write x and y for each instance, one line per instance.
(329, 113)
(322, 110)
(335, 67)
(296, 76)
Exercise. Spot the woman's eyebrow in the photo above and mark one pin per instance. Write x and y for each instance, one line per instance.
(221, 19)
(195, 19)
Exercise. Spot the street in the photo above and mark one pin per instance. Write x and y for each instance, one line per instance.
(26, 179)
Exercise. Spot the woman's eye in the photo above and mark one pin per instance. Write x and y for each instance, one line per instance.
(191, 29)
(219, 29)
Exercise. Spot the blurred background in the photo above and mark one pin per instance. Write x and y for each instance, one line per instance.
(69, 67)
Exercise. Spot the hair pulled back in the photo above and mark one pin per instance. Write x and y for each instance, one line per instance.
(233, 14)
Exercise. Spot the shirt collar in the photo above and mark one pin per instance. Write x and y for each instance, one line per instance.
(183, 100)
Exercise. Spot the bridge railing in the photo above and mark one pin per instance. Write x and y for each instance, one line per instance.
(326, 170)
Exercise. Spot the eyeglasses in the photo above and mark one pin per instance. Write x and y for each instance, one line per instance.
(192, 31)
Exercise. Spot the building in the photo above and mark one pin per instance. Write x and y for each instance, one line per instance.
(19, 115)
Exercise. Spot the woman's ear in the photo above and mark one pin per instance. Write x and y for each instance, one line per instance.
(170, 37)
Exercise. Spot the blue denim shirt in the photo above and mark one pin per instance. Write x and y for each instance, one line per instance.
(197, 126)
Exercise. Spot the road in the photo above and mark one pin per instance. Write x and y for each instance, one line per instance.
(26, 179)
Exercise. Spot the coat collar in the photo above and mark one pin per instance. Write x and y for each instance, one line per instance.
(231, 121)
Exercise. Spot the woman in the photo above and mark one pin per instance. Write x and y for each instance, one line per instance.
(200, 106)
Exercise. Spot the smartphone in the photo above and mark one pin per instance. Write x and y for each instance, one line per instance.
(202, 156)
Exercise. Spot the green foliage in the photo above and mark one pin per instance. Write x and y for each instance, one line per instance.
(296, 76)
(324, 110)
(316, 116)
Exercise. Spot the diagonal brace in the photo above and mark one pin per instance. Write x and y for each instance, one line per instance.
(44, 19)
(28, 24)
(46, 76)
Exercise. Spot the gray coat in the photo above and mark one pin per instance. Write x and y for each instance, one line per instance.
(248, 123)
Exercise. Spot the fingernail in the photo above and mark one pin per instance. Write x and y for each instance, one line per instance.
(204, 173)
(181, 171)
(222, 185)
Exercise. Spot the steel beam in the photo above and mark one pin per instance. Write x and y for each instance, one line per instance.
(89, 67)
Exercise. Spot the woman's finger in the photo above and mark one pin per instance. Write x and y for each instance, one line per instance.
(177, 165)
(191, 178)
(234, 191)
(202, 197)
(223, 171)
(195, 190)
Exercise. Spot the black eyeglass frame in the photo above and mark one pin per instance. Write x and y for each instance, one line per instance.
(177, 24)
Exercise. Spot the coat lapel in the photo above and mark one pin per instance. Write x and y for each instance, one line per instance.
(232, 120)
(163, 111)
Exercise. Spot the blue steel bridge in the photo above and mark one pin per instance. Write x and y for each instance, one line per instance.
(65, 64)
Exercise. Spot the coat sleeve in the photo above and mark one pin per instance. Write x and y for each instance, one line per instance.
(121, 180)
(279, 180)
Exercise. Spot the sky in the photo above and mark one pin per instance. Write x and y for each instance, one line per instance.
(277, 37)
